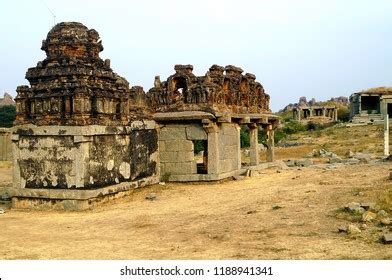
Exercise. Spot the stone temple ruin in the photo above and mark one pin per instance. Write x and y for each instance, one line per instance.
(83, 135)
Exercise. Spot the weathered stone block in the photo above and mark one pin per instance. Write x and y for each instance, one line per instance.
(172, 133)
(228, 140)
(168, 156)
(229, 152)
(182, 168)
(195, 133)
(229, 129)
(176, 156)
(178, 145)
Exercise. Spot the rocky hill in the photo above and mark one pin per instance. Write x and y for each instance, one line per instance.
(7, 100)
(339, 101)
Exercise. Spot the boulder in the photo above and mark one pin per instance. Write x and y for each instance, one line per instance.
(353, 229)
(368, 217)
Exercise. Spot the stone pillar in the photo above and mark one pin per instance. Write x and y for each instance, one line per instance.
(16, 179)
(213, 148)
(299, 115)
(323, 112)
(254, 144)
(336, 114)
(270, 143)
(386, 135)
(359, 104)
(238, 127)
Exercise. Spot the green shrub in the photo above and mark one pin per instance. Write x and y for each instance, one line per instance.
(292, 127)
(244, 137)
(314, 126)
(7, 115)
(344, 114)
(198, 146)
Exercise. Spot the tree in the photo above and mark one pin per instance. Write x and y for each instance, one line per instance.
(7, 115)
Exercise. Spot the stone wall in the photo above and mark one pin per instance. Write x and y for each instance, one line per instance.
(63, 157)
(229, 156)
(220, 157)
(176, 148)
(5, 144)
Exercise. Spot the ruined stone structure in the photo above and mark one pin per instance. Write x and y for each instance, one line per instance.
(210, 109)
(221, 89)
(371, 106)
(79, 126)
(318, 114)
(5, 144)
(82, 135)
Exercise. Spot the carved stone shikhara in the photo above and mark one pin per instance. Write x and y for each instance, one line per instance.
(221, 89)
(73, 85)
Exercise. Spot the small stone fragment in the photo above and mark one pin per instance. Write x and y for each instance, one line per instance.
(2, 211)
(387, 238)
(385, 221)
(382, 213)
(151, 196)
(342, 228)
(276, 207)
(353, 229)
(368, 216)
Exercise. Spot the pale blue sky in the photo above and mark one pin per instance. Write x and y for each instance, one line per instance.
(296, 48)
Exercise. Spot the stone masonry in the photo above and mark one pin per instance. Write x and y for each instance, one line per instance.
(79, 127)
(82, 135)
(211, 109)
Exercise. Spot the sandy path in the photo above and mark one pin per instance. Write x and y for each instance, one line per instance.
(230, 220)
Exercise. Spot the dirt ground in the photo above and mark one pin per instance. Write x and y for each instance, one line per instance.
(227, 220)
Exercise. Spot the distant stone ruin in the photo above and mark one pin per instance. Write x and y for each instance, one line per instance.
(371, 106)
(317, 114)
(82, 135)
(7, 100)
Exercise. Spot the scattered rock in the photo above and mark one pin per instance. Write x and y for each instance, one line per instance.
(238, 178)
(251, 212)
(5, 196)
(364, 226)
(353, 229)
(335, 160)
(353, 161)
(385, 221)
(151, 196)
(322, 153)
(281, 165)
(276, 207)
(290, 163)
(368, 216)
(342, 228)
(387, 238)
(2, 211)
(382, 213)
(350, 154)
(369, 206)
(299, 162)
(162, 183)
(365, 158)
(304, 162)
(355, 207)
